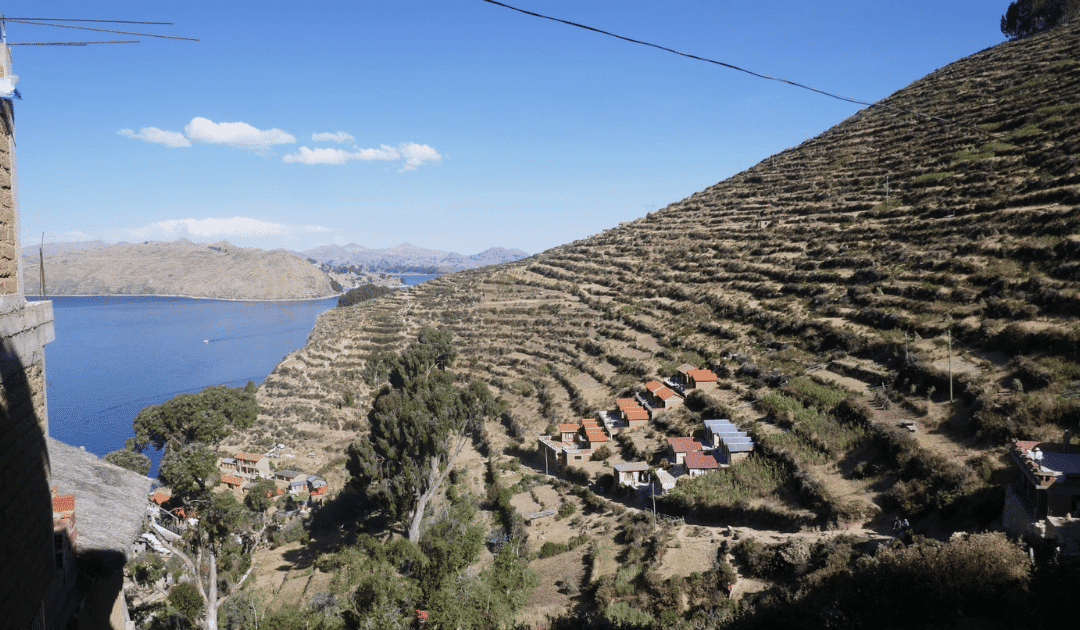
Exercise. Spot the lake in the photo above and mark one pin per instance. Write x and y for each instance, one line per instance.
(115, 355)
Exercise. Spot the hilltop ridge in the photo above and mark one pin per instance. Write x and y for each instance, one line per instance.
(221, 270)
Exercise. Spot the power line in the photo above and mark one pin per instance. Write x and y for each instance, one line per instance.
(80, 20)
(101, 30)
(128, 41)
(847, 99)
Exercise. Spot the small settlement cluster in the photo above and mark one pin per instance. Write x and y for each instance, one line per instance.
(722, 445)
(245, 469)
(241, 472)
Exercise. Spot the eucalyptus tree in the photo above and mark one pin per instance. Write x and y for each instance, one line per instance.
(420, 423)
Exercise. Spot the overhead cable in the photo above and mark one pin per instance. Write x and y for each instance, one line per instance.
(102, 30)
(847, 99)
(79, 20)
(127, 41)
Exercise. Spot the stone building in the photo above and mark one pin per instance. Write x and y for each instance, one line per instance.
(26, 515)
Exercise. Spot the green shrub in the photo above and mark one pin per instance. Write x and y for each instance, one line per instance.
(186, 600)
(549, 549)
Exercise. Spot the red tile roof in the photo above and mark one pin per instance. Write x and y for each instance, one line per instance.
(1026, 445)
(664, 393)
(595, 435)
(160, 497)
(320, 491)
(652, 386)
(637, 414)
(684, 444)
(589, 423)
(232, 481)
(63, 503)
(702, 376)
(623, 403)
(248, 457)
(563, 428)
(698, 460)
(685, 368)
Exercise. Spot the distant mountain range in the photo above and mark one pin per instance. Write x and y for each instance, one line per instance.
(223, 270)
(407, 258)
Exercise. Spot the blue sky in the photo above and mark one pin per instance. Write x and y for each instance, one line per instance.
(451, 124)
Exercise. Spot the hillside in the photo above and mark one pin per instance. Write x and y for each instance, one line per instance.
(871, 262)
(178, 268)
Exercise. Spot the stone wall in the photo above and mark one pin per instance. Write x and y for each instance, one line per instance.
(26, 523)
(9, 274)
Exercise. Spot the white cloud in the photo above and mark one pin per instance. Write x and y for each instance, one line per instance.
(157, 136)
(214, 229)
(338, 137)
(415, 155)
(236, 134)
(319, 156)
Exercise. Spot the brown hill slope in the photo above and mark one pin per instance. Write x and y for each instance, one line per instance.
(866, 248)
(221, 271)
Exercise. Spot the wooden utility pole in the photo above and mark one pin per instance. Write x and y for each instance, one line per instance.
(652, 493)
(949, 335)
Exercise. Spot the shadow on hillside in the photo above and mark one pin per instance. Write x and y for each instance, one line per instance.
(333, 525)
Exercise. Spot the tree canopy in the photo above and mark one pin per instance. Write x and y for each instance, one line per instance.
(1026, 17)
(205, 417)
(190, 471)
(129, 457)
(419, 424)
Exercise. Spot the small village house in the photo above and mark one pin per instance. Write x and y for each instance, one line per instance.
(717, 430)
(555, 454)
(298, 485)
(318, 495)
(678, 447)
(665, 480)
(704, 380)
(594, 436)
(632, 413)
(663, 397)
(251, 465)
(1045, 502)
(287, 475)
(632, 474)
(733, 450)
(569, 432)
(636, 475)
(699, 463)
(232, 482)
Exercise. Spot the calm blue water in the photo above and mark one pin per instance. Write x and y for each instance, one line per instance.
(115, 355)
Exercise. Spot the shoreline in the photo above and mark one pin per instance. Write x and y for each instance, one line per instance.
(38, 298)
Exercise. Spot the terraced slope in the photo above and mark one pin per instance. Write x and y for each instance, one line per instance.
(868, 249)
